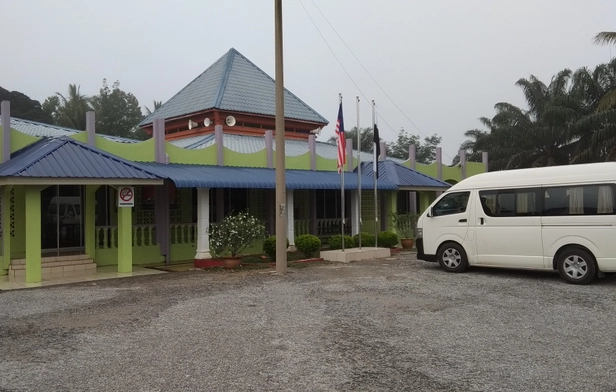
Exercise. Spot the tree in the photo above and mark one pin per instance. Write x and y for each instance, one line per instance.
(117, 112)
(25, 108)
(605, 38)
(157, 104)
(68, 111)
(424, 153)
(367, 138)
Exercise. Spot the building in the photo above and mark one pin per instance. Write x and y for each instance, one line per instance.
(212, 152)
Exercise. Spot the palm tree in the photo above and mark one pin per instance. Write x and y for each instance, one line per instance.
(71, 111)
(157, 105)
(605, 38)
(596, 131)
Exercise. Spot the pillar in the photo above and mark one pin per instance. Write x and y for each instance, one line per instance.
(218, 137)
(203, 224)
(413, 202)
(463, 164)
(355, 213)
(90, 220)
(412, 156)
(312, 148)
(6, 227)
(291, 219)
(425, 199)
(91, 128)
(5, 107)
(33, 237)
(269, 147)
(439, 163)
(125, 239)
(484, 160)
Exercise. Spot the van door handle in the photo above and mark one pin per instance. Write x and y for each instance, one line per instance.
(462, 220)
(481, 221)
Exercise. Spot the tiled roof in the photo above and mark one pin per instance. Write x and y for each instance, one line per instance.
(401, 175)
(38, 129)
(235, 84)
(63, 157)
(251, 144)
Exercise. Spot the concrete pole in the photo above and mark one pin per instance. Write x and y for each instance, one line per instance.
(291, 220)
(281, 221)
(484, 160)
(439, 163)
(91, 128)
(412, 156)
(6, 130)
(463, 163)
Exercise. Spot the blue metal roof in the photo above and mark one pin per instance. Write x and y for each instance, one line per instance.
(235, 84)
(203, 176)
(402, 176)
(67, 158)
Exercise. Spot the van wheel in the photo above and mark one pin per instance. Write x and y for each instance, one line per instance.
(576, 266)
(452, 258)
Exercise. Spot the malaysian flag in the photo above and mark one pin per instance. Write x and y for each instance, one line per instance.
(340, 141)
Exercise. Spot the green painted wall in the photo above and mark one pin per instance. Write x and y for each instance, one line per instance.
(299, 162)
(449, 173)
(142, 151)
(20, 140)
(18, 242)
(204, 156)
(81, 136)
(232, 158)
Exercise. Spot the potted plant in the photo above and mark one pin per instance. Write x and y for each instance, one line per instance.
(405, 227)
(234, 234)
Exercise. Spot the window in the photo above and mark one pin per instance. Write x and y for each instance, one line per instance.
(508, 202)
(328, 204)
(453, 203)
(579, 200)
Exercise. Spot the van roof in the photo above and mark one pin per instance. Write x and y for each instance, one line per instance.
(582, 173)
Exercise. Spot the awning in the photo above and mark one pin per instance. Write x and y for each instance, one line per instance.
(205, 176)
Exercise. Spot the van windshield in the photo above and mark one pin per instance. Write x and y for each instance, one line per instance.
(453, 203)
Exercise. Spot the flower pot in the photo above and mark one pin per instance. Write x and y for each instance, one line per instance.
(232, 262)
(407, 243)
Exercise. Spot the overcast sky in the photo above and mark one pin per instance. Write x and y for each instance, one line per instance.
(440, 64)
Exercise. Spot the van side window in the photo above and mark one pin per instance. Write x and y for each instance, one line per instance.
(507, 202)
(579, 200)
(453, 203)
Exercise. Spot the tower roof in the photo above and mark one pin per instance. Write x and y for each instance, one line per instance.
(233, 83)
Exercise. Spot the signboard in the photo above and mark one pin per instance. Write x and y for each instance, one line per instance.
(126, 196)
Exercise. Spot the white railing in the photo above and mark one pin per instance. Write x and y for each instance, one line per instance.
(145, 235)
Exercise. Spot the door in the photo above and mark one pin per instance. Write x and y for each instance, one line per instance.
(509, 228)
(62, 220)
(447, 221)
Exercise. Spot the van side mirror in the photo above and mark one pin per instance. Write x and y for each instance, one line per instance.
(429, 214)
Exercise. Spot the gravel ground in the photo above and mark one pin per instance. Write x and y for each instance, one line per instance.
(389, 325)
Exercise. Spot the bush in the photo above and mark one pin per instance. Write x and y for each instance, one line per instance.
(367, 239)
(308, 244)
(335, 242)
(235, 233)
(387, 239)
(269, 247)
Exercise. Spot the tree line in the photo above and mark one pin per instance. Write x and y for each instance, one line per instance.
(571, 119)
(117, 112)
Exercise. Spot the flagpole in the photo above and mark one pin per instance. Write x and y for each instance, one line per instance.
(358, 176)
(342, 186)
(375, 163)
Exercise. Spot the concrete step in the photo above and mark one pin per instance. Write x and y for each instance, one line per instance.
(53, 259)
(56, 267)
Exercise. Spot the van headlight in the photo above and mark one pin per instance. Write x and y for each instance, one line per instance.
(419, 232)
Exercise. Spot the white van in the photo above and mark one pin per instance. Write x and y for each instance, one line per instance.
(554, 218)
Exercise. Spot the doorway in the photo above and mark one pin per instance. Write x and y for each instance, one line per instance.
(62, 220)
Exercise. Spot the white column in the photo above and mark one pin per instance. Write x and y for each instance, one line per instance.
(203, 224)
(355, 213)
(290, 220)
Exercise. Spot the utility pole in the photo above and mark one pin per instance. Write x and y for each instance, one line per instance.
(281, 207)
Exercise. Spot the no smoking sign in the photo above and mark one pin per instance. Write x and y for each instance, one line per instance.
(126, 196)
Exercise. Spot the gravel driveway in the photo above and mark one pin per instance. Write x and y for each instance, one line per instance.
(389, 325)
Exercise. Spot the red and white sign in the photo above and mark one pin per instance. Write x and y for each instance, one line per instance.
(126, 196)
